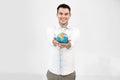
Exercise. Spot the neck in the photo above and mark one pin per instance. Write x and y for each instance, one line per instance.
(63, 25)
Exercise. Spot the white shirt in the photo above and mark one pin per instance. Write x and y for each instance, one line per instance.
(61, 60)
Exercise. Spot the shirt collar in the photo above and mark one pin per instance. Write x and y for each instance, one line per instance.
(58, 26)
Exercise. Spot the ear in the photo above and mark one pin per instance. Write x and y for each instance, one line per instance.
(70, 14)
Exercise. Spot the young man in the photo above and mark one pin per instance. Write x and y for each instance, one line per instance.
(61, 63)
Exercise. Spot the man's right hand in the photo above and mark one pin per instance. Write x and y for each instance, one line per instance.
(55, 42)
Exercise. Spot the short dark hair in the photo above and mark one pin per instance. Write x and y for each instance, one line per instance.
(64, 6)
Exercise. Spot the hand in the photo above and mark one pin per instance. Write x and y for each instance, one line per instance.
(56, 43)
(61, 45)
(68, 45)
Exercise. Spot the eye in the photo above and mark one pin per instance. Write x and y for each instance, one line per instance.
(66, 13)
(61, 13)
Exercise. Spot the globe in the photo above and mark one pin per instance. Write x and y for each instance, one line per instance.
(62, 38)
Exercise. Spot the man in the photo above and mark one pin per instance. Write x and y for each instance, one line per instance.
(61, 63)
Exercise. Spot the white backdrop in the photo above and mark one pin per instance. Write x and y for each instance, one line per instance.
(23, 47)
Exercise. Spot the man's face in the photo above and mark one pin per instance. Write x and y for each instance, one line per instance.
(63, 15)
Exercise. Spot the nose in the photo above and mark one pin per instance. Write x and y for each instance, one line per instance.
(63, 15)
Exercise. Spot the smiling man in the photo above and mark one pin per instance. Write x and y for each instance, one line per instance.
(62, 39)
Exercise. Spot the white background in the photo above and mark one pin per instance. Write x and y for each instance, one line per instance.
(23, 46)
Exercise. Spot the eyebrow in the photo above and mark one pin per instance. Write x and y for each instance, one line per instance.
(63, 13)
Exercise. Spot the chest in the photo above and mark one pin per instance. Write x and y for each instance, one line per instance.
(68, 32)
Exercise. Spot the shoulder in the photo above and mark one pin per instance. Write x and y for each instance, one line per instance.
(50, 28)
(75, 29)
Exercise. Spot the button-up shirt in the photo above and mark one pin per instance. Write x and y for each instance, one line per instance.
(61, 60)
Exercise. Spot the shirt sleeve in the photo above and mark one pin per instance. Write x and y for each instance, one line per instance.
(75, 35)
(50, 35)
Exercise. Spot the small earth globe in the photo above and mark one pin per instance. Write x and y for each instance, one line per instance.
(62, 38)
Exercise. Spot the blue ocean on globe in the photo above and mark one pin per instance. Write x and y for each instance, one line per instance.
(62, 38)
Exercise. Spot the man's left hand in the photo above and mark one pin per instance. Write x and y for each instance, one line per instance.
(68, 45)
